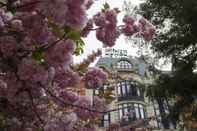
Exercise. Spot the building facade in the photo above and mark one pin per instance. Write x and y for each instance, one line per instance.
(127, 83)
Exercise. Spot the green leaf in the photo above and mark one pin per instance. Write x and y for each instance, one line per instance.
(74, 35)
(79, 47)
(40, 129)
(13, 11)
(105, 7)
(67, 29)
(38, 56)
(59, 32)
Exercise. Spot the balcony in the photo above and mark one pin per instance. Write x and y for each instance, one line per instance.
(130, 97)
(129, 90)
(133, 122)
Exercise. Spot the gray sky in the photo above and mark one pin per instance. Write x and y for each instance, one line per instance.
(92, 43)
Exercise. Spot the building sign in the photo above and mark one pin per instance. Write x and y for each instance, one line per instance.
(110, 52)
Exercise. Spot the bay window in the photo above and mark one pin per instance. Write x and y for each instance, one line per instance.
(131, 111)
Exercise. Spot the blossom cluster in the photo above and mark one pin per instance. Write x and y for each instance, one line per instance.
(141, 26)
(107, 23)
(97, 104)
(4, 17)
(95, 78)
(108, 31)
(38, 78)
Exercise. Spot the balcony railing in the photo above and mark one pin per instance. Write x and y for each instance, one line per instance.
(130, 97)
(136, 122)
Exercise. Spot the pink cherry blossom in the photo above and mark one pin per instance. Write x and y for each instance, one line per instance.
(84, 101)
(60, 54)
(37, 74)
(88, 3)
(96, 107)
(128, 30)
(8, 46)
(2, 24)
(65, 123)
(86, 30)
(69, 96)
(75, 16)
(100, 19)
(147, 36)
(151, 30)
(111, 17)
(128, 20)
(26, 69)
(88, 128)
(143, 21)
(95, 78)
(36, 27)
(66, 77)
(107, 21)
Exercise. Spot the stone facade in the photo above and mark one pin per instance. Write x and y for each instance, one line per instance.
(128, 82)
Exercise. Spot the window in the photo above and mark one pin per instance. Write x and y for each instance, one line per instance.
(128, 112)
(138, 92)
(134, 91)
(96, 92)
(158, 114)
(119, 89)
(137, 111)
(124, 65)
(131, 111)
(127, 88)
(123, 87)
(141, 111)
(105, 87)
(120, 111)
(125, 110)
(106, 120)
(102, 89)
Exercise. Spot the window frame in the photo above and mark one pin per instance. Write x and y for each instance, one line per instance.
(127, 88)
(106, 120)
(124, 64)
(139, 110)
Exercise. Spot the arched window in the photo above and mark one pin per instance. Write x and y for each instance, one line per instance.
(123, 64)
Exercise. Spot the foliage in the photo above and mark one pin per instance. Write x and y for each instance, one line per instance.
(176, 38)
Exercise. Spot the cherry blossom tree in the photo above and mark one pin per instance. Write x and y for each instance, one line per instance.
(39, 82)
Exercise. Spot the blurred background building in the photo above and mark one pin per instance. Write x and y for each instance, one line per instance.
(130, 76)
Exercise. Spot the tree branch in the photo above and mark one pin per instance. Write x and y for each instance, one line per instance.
(2, 4)
(65, 103)
(34, 108)
(29, 4)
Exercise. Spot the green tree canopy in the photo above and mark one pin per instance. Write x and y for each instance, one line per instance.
(176, 23)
